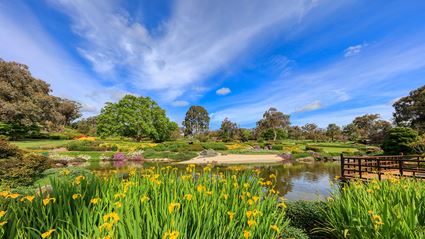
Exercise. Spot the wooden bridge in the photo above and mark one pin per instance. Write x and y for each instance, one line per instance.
(381, 167)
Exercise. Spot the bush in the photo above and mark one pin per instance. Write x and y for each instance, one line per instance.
(214, 145)
(398, 141)
(277, 147)
(293, 233)
(178, 147)
(18, 168)
(306, 215)
(89, 145)
(314, 149)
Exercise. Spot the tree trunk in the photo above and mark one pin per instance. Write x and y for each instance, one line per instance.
(275, 135)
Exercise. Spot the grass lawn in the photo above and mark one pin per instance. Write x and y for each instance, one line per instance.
(40, 144)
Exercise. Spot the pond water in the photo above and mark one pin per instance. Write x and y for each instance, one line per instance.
(294, 181)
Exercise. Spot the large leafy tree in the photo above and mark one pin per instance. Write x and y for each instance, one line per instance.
(333, 131)
(371, 128)
(86, 126)
(135, 117)
(399, 140)
(228, 130)
(196, 121)
(275, 121)
(26, 102)
(410, 110)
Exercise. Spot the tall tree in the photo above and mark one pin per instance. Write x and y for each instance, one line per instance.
(410, 110)
(135, 117)
(371, 128)
(273, 120)
(197, 121)
(26, 101)
(333, 131)
(86, 126)
(228, 130)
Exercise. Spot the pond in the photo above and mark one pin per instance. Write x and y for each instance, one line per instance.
(298, 181)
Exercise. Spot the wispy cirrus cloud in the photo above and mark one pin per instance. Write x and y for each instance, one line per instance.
(354, 50)
(198, 39)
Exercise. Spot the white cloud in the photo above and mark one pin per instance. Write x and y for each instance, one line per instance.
(353, 50)
(223, 91)
(180, 103)
(362, 77)
(315, 105)
(198, 39)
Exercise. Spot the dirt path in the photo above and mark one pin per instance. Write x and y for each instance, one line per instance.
(235, 159)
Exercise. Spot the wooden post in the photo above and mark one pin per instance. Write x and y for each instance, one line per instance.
(342, 167)
(378, 162)
(400, 166)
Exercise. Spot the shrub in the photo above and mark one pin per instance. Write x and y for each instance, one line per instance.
(314, 149)
(89, 145)
(293, 233)
(19, 168)
(277, 147)
(398, 141)
(306, 215)
(8, 150)
(419, 145)
(214, 145)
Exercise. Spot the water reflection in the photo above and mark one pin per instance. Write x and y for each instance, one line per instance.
(295, 182)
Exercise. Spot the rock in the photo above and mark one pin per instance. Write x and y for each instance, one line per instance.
(44, 190)
(286, 156)
(59, 165)
(309, 159)
(208, 153)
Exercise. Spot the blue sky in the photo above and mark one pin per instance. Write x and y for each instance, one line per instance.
(321, 61)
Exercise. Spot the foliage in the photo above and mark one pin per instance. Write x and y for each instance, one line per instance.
(333, 131)
(307, 215)
(178, 147)
(179, 156)
(214, 145)
(16, 130)
(270, 134)
(135, 117)
(196, 121)
(398, 141)
(314, 149)
(368, 128)
(410, 110)
(419, 145)
(228, 130)
(86, 126)
(391, 208)
(26, 100)
(273, 120)
(312, 132)
(153, 203)
(294, 233)
(18, 168)
(89, 145)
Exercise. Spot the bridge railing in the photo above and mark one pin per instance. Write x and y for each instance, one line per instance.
(379, 167)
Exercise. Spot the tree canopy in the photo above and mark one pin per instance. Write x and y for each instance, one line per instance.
(26, 101)
(196, 121)
(410, 110)
(228, 130)
(275, 121)
(135, 117)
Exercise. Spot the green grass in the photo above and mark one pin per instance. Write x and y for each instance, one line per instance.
(153, 203)
(40, 144)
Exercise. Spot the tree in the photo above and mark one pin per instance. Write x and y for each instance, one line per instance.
(70, 110)
(86, 126)
(370, 128)
(273, 120)
(399, 140)
(333, 131)
(351, 132)
(295, 132)
(410, 110)
(135, 117)
(310, 131)
(197, 121)
(228, 130)
(26, 101)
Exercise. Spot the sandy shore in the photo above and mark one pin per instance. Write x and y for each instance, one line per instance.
(235, 159)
